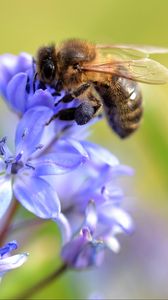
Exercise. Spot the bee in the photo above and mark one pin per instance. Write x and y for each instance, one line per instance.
(101, 76)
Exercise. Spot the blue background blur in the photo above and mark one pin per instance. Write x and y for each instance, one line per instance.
(141, 268)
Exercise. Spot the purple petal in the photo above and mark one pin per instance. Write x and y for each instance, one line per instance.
(99, 154)
(64, 227)
(24, 62)
(72, 249)
(110, 214)
(65, 158)
(80, 132)
(30, 129)
(12, 262)
(112, 243)
(121, 170)
(82, 251)
(5, 194)
(36, 195)
(16, 92)
(91, 216)
(78, 146)
(112, 193)
(92, 254)
(40, 98)
(11, 65)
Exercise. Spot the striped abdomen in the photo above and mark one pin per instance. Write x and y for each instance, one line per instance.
(122, 101)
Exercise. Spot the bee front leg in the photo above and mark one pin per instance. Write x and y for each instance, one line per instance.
(74, 94)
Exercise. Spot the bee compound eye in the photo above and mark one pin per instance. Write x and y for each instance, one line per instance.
(48, 70)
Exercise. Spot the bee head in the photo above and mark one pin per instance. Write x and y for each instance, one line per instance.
(47, 64)
(71, 56)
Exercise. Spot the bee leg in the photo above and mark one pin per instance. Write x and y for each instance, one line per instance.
(90, 106)
(67, 114)
(74, 94)
(84, 113)
(81, 114)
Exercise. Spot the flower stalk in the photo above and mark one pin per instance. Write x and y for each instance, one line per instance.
(7, 223)
(43, 282)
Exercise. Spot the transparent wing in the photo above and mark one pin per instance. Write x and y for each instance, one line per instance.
(129, 51)
(143, 70)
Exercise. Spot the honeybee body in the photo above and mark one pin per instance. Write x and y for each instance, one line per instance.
(99, 78)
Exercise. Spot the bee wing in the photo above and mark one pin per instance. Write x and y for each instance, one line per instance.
(126, 51)
(143, 70)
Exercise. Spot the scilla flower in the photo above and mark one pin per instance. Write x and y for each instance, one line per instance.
(25, 174)
(7, 262)
(55, 173)
(92, 208)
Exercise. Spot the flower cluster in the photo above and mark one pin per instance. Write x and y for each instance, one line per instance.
(55, 172)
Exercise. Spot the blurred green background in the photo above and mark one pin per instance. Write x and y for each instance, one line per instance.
(141, 268)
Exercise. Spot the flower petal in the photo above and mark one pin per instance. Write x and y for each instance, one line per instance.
(36, 195)
(112, 243)
(40, 98)
(111, 214)
(91, 216)
(5, 194)
(65, 158)
(11, 65)
(31, 128)
(12, 262)
(72, 249)
(99, 154)
(65, 228)
(16, 92)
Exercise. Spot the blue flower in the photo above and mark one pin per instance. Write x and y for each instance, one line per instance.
(11, 65)
(8, 263)
(92, 208)
(55, 173)
(39, 152)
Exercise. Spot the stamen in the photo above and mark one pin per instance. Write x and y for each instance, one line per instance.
(29, 166)
(103, 190)
(25, 132)
(9, 160)
(39, 147)
(18, 157)
(3, 140)
(2, 143)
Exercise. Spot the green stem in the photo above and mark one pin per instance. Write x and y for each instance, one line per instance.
(43, 283)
